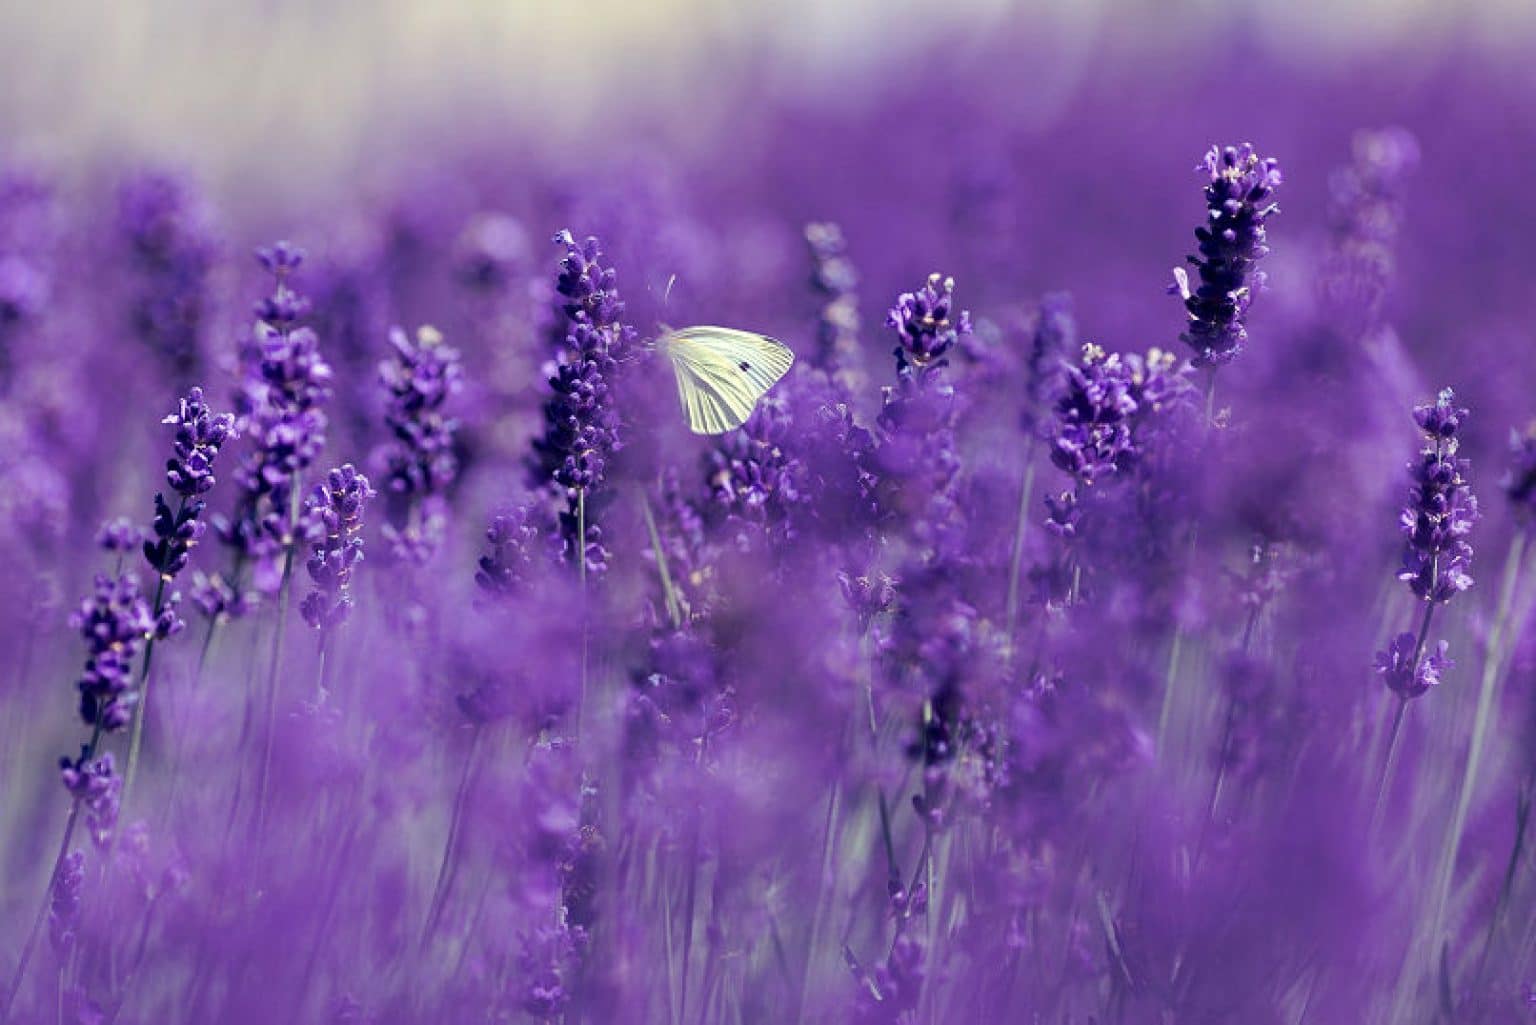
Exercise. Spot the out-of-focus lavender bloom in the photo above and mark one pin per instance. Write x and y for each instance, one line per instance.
(334, 519)
(23, 291)
(115, 622)
(1519, 481)
(1239, 200)
(836, 280)
(64, 903)
(94, 782)
(1366, 208)
(219, 599)
(1441, 508)
(753, 477)
(120, 535)
(420, 377)
(549, 959)
(280, 405)
(490, 252)
(581, 420)
(513, 538)
(166, 227)
(1405, 673)
(1092, 430)
(1052, 341)
(200, 434)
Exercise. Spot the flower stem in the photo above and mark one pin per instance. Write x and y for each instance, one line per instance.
(53, 876)
(280, 634)
(446, 868)
(1026, 492)
(1493, 665)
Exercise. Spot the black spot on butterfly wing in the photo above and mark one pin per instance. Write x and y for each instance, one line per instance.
(744, 366)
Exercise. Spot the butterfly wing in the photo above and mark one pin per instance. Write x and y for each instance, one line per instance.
(722, 372)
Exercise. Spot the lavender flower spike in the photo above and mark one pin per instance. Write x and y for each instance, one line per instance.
(1441, 508)
(1519, 481)
(200, 434)
(1239, 199)
(334, 518)
(582, 424)
(1439, 515)
(420, 376)
(115, 622)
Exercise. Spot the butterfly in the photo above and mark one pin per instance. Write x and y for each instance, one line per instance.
(722, 373)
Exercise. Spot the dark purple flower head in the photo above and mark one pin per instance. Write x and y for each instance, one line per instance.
(1092, 436)
(928, 328)
(95, 783)
(753, 477)
(120, 535)
(1441, 508)
(581, 420)
(1406, 675)
(419, 378)
(1519, 481)
(281, 401)
(200, 433)
(115, 621)
(334, 521)
(1239, 199)
(513, 539)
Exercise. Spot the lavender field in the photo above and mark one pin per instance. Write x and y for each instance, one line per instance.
(1121, 612)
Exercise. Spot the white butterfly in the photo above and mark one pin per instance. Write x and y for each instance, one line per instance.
(721, 373)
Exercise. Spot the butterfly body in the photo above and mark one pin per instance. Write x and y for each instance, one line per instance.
(722, 373)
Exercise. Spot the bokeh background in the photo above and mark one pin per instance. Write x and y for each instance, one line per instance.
(424, 153)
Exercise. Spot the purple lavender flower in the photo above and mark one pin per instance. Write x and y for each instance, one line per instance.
(836, 280)
(1519, 481)
(64, 903)
(581, 421)
(1405, 673)
(115, 622)
(1441, 508)
(1052, 341)
(1092, 436)
(513, 538)
(421, 463)
(167, 230)
(334, 519)
(120, 535)
(94, 782)
(753, 477)
(281, 409)
(490, 252)
(1438, 518)
(1366, 208)
(922, 321)
(1239, 199)
(200, 433)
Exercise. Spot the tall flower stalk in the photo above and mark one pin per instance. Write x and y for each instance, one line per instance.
(200, 434)
(333, 516)
(1437, 557)
(1239, 201)
(422, 374)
